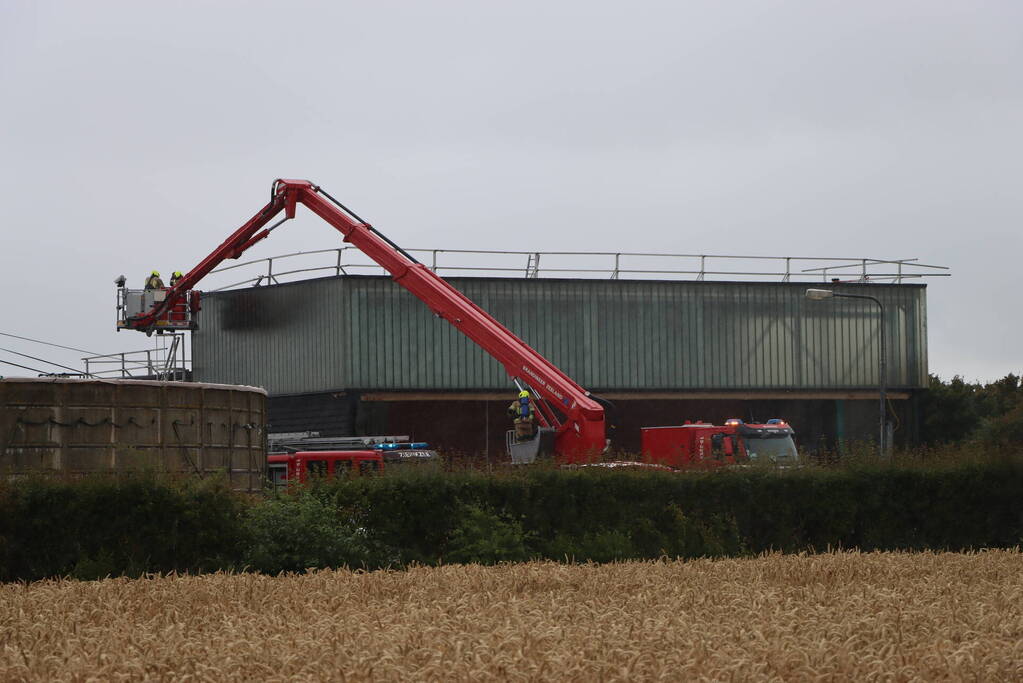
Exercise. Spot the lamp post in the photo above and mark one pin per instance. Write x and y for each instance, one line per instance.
(821, 294)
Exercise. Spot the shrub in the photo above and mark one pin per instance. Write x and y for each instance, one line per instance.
(298, 532)
(486, 537)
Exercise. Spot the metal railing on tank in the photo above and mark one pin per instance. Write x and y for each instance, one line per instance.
(167, 361)
(348, 260)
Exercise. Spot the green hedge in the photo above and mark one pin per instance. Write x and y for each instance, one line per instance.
(93, 528)
(606, 515)
(90, 528)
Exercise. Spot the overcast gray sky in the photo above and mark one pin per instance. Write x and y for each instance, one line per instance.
(136, 135)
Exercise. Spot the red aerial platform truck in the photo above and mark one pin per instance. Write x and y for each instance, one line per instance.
(571, 419)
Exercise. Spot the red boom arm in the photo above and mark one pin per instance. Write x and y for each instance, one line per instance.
(564, 405)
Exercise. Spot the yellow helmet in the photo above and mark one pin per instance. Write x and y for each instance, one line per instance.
(156, 273)
(177, 273)
(523, 394)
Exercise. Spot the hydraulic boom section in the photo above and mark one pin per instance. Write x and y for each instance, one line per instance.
(562, 405)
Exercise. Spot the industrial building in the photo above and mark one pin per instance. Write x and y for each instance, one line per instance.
(357, 354)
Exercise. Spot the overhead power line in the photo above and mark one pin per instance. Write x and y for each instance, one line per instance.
(43, 360)
(24, 367)
(39, 341)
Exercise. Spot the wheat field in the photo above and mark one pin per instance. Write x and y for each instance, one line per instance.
(834, 616)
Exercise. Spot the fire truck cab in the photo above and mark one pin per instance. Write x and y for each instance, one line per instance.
(305, 466)
(699, 444)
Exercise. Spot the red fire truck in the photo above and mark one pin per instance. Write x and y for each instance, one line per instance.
(700, 444)
(303, 467)
(571, 420)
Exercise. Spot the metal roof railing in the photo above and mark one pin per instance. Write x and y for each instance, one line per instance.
(168, 361)
(592, 265)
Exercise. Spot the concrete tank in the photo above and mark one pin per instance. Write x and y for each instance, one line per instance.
(77, 426)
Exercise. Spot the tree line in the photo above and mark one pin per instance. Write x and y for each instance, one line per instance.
(957, 411)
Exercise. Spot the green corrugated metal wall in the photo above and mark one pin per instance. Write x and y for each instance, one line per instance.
(368, 333)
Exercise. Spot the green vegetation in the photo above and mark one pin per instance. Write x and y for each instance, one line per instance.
(92, 527)
(961, 412)
(95, 527)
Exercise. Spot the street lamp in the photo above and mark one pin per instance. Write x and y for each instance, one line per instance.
(820, 295)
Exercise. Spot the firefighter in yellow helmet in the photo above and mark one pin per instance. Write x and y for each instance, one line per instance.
(175, 276)
(523, 415)
(154, 281)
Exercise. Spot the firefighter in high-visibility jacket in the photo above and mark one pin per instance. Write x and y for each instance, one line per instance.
(524, 416)
(154, 281)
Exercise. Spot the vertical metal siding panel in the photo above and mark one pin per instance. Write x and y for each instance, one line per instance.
(601, 315)
(673, 321)
(725, 359)
(755, 306)
(717, 366)
(668, 322)
(770, 317)
(774, 320)
(665, 320)
(596, 359)
(638, 325)
(647, 335)
(786, 347)
(690, 336)
(702, 331)
(710, 369)
(373, 376)
(843, 340)
(697, 339)
(777, 320)
(684, 353)
(795, 334)
(739, 343)
(922, 338)
(665, 366)
(813, 348)
(725, 339)
(823, 342)
(544, 333)
(388, 331)
(749, 346)
(616, 337)
(610, 337)
(708, 335)
(848, 340)
(635, 322)
(726, 354)
(655, 336)
(357, 368)
(627, 323)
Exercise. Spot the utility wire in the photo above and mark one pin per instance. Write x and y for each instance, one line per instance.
(42, 360)
(39, 341)
(25, 367)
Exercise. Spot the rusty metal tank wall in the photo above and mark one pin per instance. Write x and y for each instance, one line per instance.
(77, 427)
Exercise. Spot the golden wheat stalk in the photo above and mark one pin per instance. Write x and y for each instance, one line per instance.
(842, 616)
